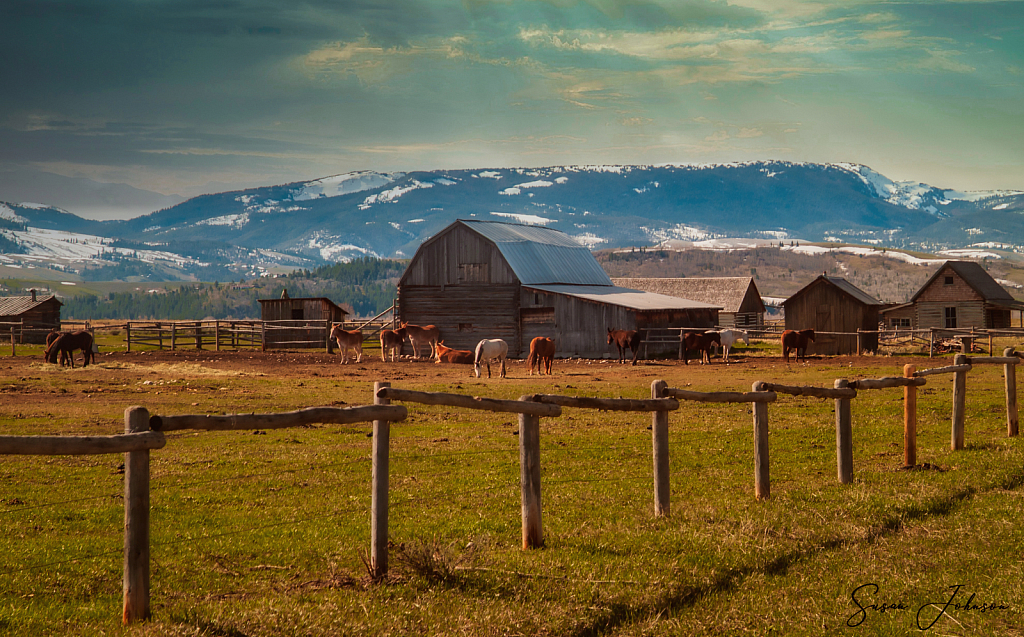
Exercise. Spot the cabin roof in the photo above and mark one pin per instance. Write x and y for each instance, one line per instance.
(539, 255)
(293, 299)
(843, 285)
(724, 292)
(625, 297)
(15, 305)
(975, 276)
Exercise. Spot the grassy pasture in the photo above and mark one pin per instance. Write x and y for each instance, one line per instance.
(263, 533)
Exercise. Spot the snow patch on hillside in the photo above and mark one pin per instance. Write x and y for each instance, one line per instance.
(331, 248)
(392, 195)
(589, 240)
(532, 220)
(6, 212)
(236, 221)
(680, 231)
(345, 184)
(71, 248)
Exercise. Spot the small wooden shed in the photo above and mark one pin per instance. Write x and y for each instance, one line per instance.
(960, 294)
(488, 279)
(36, 315)
(738, 297)
(833, 304)
(304, 319)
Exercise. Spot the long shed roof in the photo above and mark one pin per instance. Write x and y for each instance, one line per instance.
(541, 255)
(724, 292)
(15, 305)
(626, 297)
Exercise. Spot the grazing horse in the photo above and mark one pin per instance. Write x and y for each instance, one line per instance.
(429, 335)
(391, 341)
(449, 355)
(624, 339)
(542, 354)
(346, 340)
(730, 338)
(796, 340)
(66, 344)
(702, 342)
(50, 338)
(487, 350)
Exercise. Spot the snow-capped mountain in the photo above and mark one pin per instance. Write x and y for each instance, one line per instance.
(369, 213)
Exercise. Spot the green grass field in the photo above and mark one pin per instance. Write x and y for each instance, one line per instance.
(265, 533)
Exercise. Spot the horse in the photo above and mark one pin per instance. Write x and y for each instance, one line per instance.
(391, 341)
(702, 342)
(542, 354)
(418, 334)
(624, 339)
(50, 338)
(346, 340)
(730, 338)
(449, 355)
(796, 340)
(65, 344)
(487, 350)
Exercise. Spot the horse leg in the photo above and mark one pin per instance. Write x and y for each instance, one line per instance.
(503, 368)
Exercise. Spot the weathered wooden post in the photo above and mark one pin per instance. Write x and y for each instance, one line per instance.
(860, 343)
(263, 335)
(959, 404)
(659, 442)
(128, 334)
(762, 482)
(909, 419)
(216, 335)
(1010, 378)
(931, 342)
(844, 435)
(136, 522)
(379, 490)
(174, 336)
(529, 480)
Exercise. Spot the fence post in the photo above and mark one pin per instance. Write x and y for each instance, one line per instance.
(931, 342)
(529, 480)
(216, 334)
(844, 436)
(959, 404)
(263, 335)
(136, 522)
(128, 334)
(860, 343)
(659, 445)
(379, 490)
(909, 419)
(762, 481)
(13, 353)
(1010, 377)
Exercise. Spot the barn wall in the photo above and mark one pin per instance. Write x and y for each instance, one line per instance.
(824, 308)
(580, 327)
(465, 314)
(969, 313)
(909, 312)
(45, 316)
(458, 257)
(314, 311)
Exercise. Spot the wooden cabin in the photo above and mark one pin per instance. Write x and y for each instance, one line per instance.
(738, 297)
(833, 304)
(488, 279)
(308, 318)
(36, 315)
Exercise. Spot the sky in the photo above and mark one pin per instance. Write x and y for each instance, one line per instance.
(193, 96)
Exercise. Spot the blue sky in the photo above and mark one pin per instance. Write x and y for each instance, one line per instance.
(206, 95)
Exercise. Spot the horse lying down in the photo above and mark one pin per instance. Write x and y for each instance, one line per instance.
(449, 355)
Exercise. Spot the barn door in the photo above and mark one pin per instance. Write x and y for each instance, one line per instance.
(534, 322)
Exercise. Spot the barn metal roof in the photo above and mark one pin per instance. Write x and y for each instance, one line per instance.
(727, 292)
(541, 255)
(626, 297)
(15, 305)
(845, 286)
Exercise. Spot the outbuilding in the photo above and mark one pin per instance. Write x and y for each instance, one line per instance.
(302, 321)
(739, 298)
(34, 314)
(488, 279)
(835, 309)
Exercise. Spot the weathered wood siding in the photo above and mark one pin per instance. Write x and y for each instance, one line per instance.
(933, 300)
(895, 316)
(314, 311)
(465, 314)
(825, 308)
(37, 322)
(458, 257)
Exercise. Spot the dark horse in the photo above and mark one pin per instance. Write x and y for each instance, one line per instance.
(50, 338)
(702, 342)
(67, 343)
(796, 340)
(624, 339)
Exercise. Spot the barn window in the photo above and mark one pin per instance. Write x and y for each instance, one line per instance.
(474, 273)
(899, 322)
(951, 317)
(533, 315)
(297, 314)
(948, 280)
(465, 327)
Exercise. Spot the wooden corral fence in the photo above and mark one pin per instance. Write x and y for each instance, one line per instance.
(144, 432)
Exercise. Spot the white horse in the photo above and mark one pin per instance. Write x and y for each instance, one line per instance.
(730, 337)
(487, 350)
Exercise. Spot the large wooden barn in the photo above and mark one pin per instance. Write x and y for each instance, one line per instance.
(833, 304)
(487, 279)
(960, 294)
(314, 314)
(36, 316)
(738, 296)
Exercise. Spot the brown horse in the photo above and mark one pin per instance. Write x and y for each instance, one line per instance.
(449, 355)
(542, 354)
(50, 338)
(348, 340)
(702, 342)
(418, 334)
(796, 340)
(624, 339)
(66, 343)
(391, 342)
